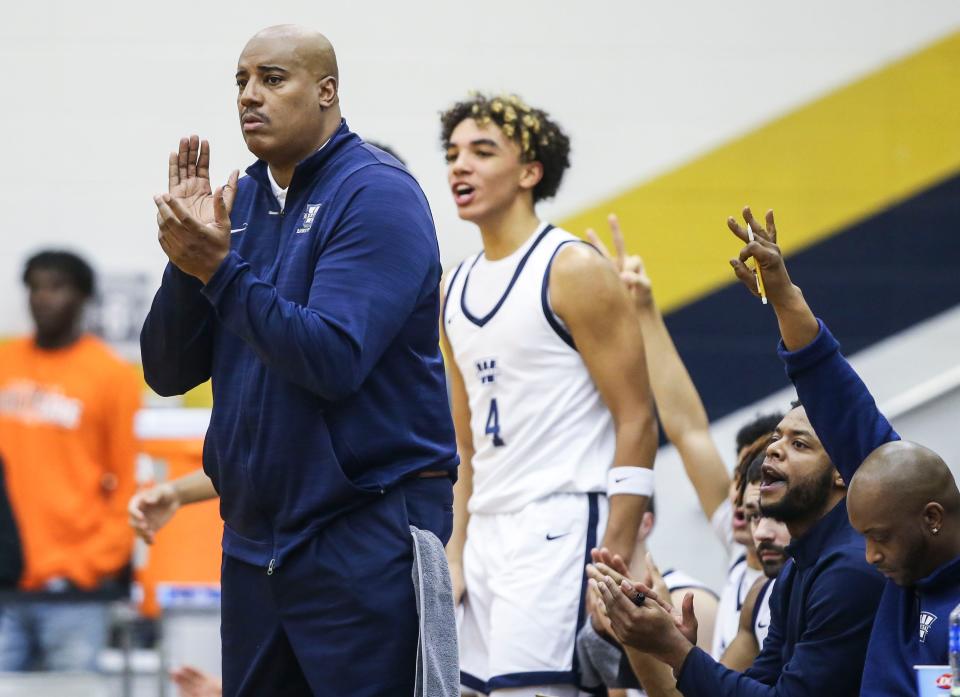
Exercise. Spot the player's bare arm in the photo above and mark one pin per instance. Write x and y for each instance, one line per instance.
(463, 489)
(586, 293)
(742, 651)
(679, 407)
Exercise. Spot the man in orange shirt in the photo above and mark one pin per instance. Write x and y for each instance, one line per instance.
(67, 405)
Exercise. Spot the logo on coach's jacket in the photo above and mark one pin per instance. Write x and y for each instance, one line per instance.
(309, 215)
(487, 370)
(926, 621)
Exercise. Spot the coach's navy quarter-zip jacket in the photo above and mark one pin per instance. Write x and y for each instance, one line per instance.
(319, 331)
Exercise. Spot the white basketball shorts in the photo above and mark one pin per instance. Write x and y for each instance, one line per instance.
(525, 588)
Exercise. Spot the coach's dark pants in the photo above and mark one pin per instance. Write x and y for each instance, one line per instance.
(337, 618)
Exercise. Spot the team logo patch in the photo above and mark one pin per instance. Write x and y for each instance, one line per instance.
(926, 621)
(309, 215)
(487, 370)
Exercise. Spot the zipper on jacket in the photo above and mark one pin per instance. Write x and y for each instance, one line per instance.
(270, 567)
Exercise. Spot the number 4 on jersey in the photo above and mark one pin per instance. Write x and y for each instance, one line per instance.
(493, 424)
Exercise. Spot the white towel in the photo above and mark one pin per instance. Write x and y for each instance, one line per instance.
(438, 663)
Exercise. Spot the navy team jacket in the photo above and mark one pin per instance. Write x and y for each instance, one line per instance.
(911, 623)
(319, 331)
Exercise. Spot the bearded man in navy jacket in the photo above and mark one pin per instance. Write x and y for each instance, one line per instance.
(308, 292)
(823, 606)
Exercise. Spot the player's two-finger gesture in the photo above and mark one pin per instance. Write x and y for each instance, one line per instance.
(629, 266)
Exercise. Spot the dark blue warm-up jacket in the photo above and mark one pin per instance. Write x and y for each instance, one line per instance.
(911, 623)
(319, 331)
(823, 606)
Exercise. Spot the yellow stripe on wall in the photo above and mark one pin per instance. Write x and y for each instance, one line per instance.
(200, 396)
(821, 168)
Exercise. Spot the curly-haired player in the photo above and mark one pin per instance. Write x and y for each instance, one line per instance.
(551, 403)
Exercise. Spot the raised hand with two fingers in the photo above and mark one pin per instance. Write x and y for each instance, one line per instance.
(629, 266)
(762, 247)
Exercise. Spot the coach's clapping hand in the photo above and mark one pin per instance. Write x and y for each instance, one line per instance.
(651, 626)
(195, 222)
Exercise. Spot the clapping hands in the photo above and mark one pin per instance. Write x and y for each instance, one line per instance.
(194, 224)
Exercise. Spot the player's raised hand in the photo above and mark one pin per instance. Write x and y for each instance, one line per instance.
(151, 509)
(763, 248)
(194, 223)
(629, 266)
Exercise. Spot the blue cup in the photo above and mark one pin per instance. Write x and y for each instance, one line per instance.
(933, 681)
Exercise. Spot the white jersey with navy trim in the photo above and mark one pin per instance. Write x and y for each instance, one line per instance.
(538, 423)
(740, 580)
(679, 580)
(761, 613)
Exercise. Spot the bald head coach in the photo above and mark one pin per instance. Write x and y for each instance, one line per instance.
(307, 291)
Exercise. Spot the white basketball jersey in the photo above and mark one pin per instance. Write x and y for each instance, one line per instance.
(678, 580)
(740, 580)
(761, 613)
(538, 424)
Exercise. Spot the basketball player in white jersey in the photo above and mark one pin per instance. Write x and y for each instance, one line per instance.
(551, 402)
(770, 538)
(685, 423)
(744, 569)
